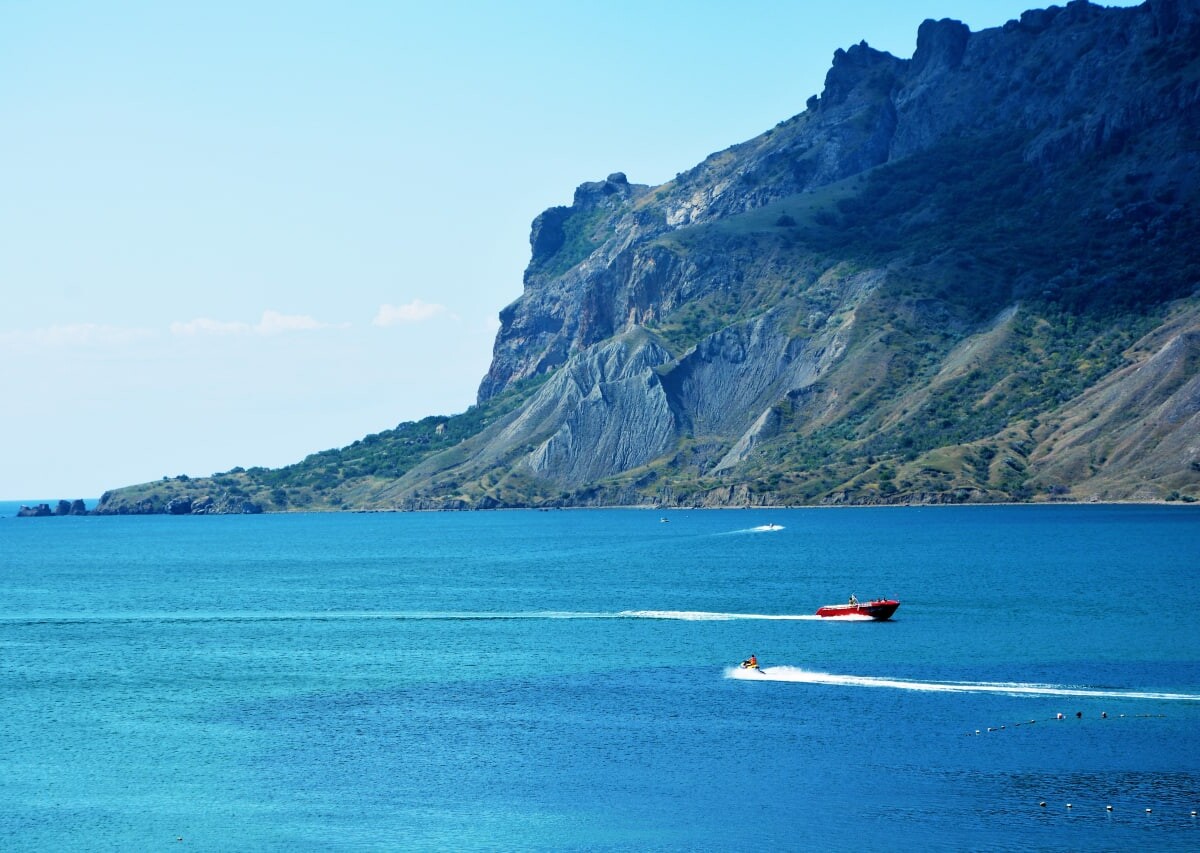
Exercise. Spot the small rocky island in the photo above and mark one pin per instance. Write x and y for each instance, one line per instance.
(223, 503)
(76, 507)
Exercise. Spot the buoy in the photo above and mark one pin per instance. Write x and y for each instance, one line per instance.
(1193, 812)
(1149, 810)
(1109, 808)
(1104, 715)
(1042, 804)
(1070, 806)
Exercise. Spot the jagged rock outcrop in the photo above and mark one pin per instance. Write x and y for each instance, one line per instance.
(1069, 81)
(63, 507)
(561, 239)
(35, 511)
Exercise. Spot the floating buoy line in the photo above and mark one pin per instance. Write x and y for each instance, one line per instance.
(1056, 717)
(1079, 716)
(1109, 808)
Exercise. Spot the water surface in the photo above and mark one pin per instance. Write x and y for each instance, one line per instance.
(566, 680)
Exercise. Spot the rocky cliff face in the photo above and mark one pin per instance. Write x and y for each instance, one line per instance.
(1114, 88)
(970, 275)
(1068, 82)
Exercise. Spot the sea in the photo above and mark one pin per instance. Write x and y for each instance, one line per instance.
(569, 680)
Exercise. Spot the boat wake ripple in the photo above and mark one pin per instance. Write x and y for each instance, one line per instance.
(707, 616)
(377, 615)
(803, 676)
(762, 528)
(297, 616)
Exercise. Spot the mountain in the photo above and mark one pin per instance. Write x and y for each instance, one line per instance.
(972, 275)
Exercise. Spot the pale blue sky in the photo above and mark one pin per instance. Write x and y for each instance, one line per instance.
(234, 233)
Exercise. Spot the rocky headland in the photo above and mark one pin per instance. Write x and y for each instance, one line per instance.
(968, 276)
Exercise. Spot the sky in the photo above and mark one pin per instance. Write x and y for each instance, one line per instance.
(236, 233)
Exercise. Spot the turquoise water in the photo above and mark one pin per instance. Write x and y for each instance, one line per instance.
(563, 680)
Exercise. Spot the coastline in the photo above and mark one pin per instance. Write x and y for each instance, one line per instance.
(11, 509)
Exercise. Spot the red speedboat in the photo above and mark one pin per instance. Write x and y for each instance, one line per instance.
(880, 608)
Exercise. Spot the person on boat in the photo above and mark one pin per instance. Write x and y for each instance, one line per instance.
(750, 662)
(853, 600)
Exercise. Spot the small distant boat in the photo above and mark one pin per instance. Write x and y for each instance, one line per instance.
(880, 608)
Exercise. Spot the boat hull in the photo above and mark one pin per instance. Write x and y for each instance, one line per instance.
(880, 609)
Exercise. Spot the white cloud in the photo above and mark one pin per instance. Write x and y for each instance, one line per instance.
(205, 326)
(416, 311)
(272, 323)
(74, 335)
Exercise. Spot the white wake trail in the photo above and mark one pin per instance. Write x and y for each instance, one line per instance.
(762, 528)
(382, 615)
(706, 616)
(802, 676)
(299, 616)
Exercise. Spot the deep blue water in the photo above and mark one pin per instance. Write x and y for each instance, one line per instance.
(561, 680)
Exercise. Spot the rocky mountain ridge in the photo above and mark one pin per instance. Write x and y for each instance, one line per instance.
(970, 275)
(1070, 82)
